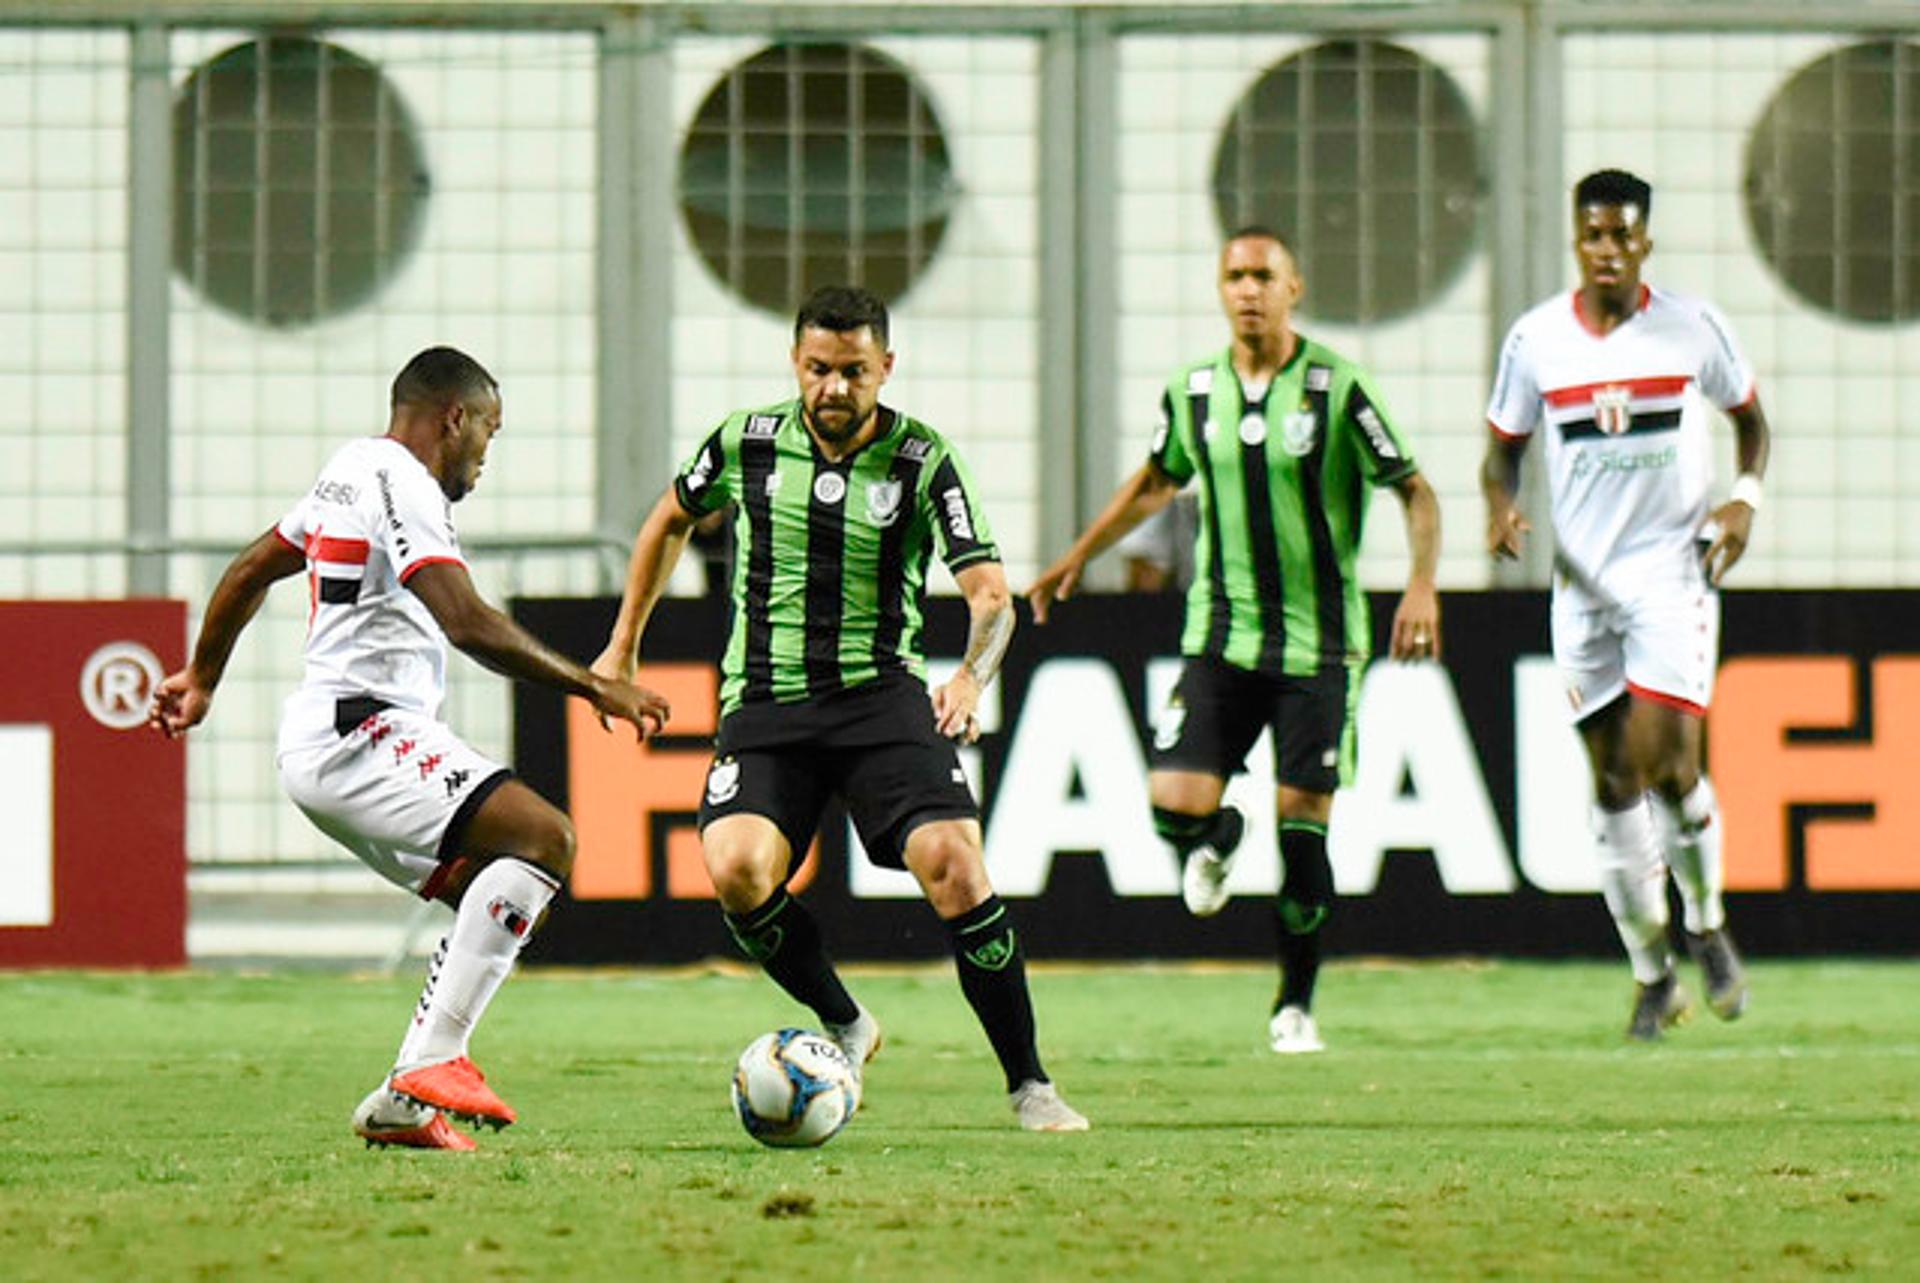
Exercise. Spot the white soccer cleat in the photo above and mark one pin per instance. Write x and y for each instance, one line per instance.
(1040, 1109)
(860, 1040)
(1292, 1032)
(1203, 883)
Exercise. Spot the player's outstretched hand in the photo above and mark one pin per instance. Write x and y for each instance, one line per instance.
(179, 704)
(614, 665)
(646, 711)
(954, 705)
(1734, 523)
(1507, 530)
(1056, 583)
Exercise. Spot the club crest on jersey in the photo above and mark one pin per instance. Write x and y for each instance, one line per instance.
(1613, 410)
(829, 487)
(883, 501)
(1253, 428)
(723, 781)
(1297, 432)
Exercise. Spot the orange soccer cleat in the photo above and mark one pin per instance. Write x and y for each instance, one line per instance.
(456, 1087)
(385, 1118)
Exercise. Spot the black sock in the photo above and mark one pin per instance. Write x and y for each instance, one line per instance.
(993, 976)
(783, 938)
(1183, 832)
(1306, 901)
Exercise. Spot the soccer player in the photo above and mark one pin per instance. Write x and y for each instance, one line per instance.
(1616, 372)
(1286, 438)
(841, 501)
(362, 749)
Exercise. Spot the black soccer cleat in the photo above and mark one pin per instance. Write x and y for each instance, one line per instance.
(1723, 971)
(1657, 1008)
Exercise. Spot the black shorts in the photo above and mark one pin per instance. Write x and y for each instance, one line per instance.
(1218, 710)
(877, 749)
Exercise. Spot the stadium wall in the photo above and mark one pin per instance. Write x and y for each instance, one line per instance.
(163, 394)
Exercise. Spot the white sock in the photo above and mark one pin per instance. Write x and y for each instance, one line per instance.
(1634, 881)
(497, 915)
(1690, 835)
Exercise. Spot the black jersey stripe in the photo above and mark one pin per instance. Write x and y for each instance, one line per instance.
(1263, 542)
(1329, 586)
(339, 592)
(1657, 421)
(756, 466)
(826, 560)
(891, 625)
(1219, 610)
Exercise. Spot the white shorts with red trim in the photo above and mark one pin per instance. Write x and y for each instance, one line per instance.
(394, 790)
(1662, 645)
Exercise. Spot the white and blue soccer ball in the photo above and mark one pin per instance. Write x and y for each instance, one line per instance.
(793, 1089)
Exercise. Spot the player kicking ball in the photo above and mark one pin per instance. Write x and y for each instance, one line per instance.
(362, 751)
(1613, 377)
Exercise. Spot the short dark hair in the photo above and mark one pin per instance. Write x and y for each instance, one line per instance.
(842, 309)
(1258, 232)
(1614, 187)
(440, 376)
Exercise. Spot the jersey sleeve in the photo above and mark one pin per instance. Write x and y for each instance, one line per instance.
(1169, 452)
(418, 526)
(293, 528)
(1514, 409)
(705, 483)
(1725, 377)
(960, 527)
(1384, 455)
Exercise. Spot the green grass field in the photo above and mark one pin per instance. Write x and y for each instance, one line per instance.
(1467, 1122)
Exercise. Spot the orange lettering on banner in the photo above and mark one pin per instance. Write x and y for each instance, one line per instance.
(1760, 775)
(615, 786)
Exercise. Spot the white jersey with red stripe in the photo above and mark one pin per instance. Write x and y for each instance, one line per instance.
(374, 517)
(1629, 449)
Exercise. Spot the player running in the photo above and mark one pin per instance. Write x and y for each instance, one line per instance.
(1616, 372)
(1287, 439)
(841, 503)
(362, 750)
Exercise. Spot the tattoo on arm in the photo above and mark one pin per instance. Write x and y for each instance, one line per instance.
(987, 641)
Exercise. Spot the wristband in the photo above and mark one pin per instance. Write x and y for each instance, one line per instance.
(1747, 490)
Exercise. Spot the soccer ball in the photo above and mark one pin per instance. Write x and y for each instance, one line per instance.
(793, 1089)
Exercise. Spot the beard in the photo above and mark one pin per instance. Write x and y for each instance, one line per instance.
(839, 433)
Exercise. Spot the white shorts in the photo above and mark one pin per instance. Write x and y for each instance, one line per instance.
(1662, 645)
(393, 790)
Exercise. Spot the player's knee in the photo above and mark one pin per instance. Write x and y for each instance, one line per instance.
(949, 867)
(1180, 830)
(742, 878)
(553, 845)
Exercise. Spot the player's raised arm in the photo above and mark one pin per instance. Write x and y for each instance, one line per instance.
(656, 550)
(492, 639)
(1146, 492)
(181, 701)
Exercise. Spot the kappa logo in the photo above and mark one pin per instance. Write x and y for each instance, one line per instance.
(1377, 433)
(1159, 439)
(829, 487)
(723, 781)
(1319, 378)
(1200, 381)
(883, 501)
(959, 521)
(702, 473)
(916, 448)
(457, 780)
(1253, 428)
(762, 426)
(1298, 431)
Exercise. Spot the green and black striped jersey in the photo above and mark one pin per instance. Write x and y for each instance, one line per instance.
(830, 559)
(1284, 487)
